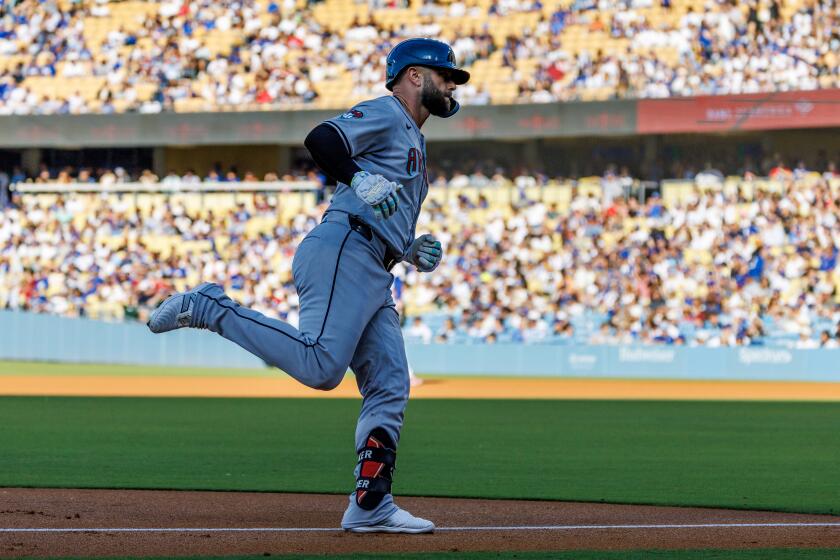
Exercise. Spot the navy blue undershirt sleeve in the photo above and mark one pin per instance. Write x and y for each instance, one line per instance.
(330, 152)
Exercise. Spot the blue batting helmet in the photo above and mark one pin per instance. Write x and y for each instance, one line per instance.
(422, 52)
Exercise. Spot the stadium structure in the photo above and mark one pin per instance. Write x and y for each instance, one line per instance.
(214, 98)
(639, 200)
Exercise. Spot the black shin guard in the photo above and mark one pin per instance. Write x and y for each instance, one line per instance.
(376, 469)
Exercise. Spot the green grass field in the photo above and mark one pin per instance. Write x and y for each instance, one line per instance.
(758, 554)
(781, 456)
(116, 370)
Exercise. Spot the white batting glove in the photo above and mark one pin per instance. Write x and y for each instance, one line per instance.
(377, 191)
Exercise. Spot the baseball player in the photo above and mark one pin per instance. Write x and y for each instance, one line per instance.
(377, 155)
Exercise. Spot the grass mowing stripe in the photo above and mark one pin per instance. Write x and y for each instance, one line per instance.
(755, 554)
(779, 456)
(106, 370)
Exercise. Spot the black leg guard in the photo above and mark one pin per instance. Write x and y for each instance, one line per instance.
(376, 469)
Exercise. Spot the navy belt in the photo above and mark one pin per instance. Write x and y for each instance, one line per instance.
(359, 226)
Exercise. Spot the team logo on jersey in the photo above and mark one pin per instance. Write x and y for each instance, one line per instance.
(353, 114)
(415, 161)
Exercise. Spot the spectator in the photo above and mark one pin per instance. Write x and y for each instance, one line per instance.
(190, 178)
(252, 55)
(419, 331)
(447, 331)
(5, 194)
(805, 341)
(753, 266)
(826, 341)
(147, 177)
(171, 178)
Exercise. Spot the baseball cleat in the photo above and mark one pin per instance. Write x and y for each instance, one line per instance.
(398, 522)
(175, 312)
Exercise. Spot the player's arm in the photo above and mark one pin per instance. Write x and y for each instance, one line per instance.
(330, 153)
(425, 253)
(333, 154)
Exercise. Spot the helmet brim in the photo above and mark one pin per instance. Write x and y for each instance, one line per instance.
(459, 75)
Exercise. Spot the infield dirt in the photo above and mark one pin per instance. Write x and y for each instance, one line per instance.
(280, 385)
(97, 509)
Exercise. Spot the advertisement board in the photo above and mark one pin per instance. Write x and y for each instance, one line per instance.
(728, 113)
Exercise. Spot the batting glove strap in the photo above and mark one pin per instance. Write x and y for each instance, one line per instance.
(376, 191)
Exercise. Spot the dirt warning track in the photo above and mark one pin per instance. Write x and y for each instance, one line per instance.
(281, 385)
(57, 522)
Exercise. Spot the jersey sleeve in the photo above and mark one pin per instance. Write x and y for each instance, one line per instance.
(364, 128)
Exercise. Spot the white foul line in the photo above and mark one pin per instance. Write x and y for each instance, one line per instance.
(170, 530)
(657, 526)
(439, 529)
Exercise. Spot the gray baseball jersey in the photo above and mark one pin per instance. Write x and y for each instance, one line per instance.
(382, 138)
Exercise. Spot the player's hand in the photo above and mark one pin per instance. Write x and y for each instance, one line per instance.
(425, 253)
(377, 191)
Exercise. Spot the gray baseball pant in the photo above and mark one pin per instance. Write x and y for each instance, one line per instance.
(347, 319)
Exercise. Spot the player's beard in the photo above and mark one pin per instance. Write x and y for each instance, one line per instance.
(434, 100)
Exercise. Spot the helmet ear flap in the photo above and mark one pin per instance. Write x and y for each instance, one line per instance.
(453, 110)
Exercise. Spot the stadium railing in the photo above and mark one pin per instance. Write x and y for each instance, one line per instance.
(295, 194)
(165, 187)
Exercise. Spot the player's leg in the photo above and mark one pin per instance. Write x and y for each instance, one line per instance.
(381, 372)
(340, 283)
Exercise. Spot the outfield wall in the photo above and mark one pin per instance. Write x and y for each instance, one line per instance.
(34, 337)
(40, 337)
(659, 362)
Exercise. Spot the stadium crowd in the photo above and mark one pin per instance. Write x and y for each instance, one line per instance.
(243, 54)
(713, 266)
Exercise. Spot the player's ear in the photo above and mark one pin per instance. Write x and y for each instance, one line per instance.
(415, 75)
